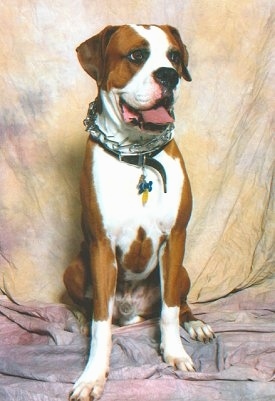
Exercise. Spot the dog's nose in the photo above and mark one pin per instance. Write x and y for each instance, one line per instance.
(167, 77)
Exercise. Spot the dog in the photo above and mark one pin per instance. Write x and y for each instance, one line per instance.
(136, 197)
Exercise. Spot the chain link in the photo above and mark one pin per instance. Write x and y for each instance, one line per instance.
(122, 149)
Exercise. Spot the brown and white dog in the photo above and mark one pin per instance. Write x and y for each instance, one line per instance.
(135, 195)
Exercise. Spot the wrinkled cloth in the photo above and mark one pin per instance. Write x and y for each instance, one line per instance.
(43, 352)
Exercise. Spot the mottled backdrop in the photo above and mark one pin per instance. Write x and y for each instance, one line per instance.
(223, 128)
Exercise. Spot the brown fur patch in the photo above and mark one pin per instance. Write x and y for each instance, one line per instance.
(139, 253)
(176, 281)
(102, 259)
(119, 70)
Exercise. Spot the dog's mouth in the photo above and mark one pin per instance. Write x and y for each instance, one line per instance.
(154, 119)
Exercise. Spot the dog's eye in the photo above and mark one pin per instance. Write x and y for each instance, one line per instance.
(138, 56)
(174, 56)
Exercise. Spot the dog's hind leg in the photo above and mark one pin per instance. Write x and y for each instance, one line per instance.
(77, 277)
(77, 281)
(197, 329)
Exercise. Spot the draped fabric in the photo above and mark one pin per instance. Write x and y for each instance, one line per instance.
(42, 353)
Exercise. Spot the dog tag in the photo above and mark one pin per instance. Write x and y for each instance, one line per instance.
(144, 188)
(145, 196)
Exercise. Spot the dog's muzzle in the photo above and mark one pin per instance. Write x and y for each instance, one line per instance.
(161, 114)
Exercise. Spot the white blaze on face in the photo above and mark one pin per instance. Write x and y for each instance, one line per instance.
(143, 91)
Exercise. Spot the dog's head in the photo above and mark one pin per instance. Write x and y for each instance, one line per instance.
(137, 69)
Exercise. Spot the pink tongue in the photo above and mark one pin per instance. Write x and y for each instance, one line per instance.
(157, 116)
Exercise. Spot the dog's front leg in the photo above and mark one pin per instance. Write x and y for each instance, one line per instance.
(103, 272)
(170, 260)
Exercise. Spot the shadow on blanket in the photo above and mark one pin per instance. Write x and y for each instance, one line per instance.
(42, 352)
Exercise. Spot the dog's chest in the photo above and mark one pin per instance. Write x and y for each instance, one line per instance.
(126, 220)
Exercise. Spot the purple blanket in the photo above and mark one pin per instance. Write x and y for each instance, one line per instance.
(42, 353)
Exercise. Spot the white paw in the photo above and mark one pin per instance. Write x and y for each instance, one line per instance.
(198, 330)
(175, 355)
(171, 346)
(183, 362)
(87, 390)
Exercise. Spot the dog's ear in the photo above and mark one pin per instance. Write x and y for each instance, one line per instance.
(184, 53)
(91, 54)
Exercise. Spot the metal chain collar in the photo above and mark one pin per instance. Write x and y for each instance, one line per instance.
(123, 148)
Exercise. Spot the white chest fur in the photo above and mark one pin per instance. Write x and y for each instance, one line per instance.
(121, 206)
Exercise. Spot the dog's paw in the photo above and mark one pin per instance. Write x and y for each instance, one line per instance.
(183, 362)
(175, 355)
(87, 391)
(199, 330)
